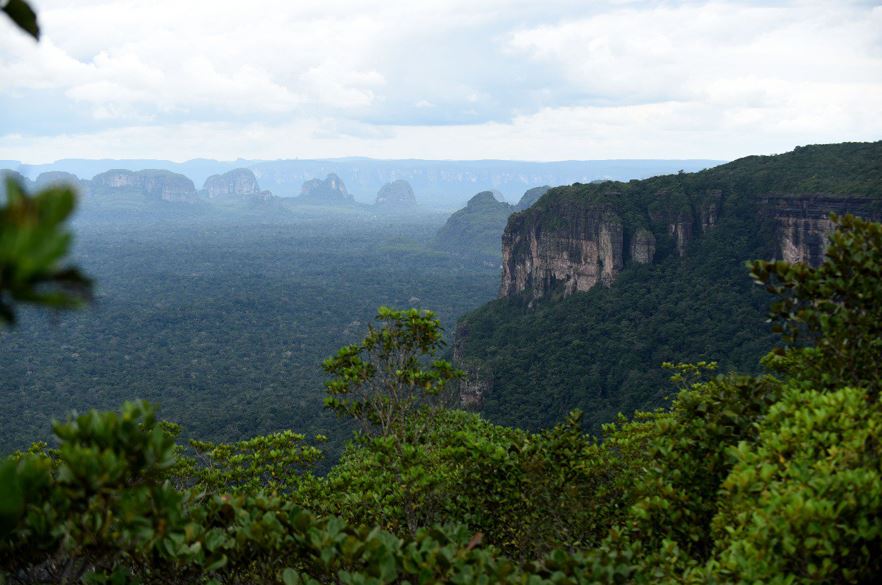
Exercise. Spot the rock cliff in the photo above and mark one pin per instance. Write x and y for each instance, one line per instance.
(155, 184)
(330, 191)
(570, 251)
(599, 351)
(238, 183)
(580, 237)
(397, 194)
(802, 223)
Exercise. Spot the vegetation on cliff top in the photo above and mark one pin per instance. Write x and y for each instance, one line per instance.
(595, 350)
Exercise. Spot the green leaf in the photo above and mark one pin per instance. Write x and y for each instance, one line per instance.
(23, 16)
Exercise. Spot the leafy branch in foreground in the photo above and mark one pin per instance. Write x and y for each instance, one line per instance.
(33, 246)
(22, 15)
(830, 317)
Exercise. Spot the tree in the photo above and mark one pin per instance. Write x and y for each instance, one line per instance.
(830, 317)
(382, 381)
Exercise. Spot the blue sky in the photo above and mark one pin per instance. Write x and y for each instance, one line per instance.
(448, 79)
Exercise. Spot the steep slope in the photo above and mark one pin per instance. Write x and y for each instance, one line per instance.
(659, 265)
(397, 195)
(330, 191)
(152, 184)
(530, 197)
(238, 184)
(475, 229)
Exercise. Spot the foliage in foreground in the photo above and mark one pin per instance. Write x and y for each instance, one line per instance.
(744, 479)
(34, 244)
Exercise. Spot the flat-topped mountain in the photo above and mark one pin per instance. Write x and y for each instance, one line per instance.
(156, 184)
(603, 282)
(330, 191)
(238, 183)
(50, 178)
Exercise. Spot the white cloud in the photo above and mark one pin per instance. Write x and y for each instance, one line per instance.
(443, 78)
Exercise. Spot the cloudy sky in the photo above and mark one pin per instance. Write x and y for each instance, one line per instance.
(448, 79)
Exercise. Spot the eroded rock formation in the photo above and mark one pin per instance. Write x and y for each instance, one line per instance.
(330, 191)
(238, 183)
(397, 194)
(569, 250)
(158, 184)
(803, 226)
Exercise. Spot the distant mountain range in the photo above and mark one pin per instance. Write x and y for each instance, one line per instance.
(437, 184)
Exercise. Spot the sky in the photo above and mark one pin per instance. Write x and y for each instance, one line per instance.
(439, 79)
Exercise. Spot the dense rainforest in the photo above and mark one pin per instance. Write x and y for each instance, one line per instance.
(224, 324)
(771, 478)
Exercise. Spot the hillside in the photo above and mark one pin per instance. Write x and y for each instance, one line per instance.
(602, 283)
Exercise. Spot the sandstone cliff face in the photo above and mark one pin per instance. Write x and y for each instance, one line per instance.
(571, 249)
(802, 224)
(163, 185)
(239, 183)
(643, 246)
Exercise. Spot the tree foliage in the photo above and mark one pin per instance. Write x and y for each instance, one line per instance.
(33, 247)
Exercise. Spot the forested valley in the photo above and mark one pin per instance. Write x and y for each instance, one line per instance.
(224, 324)
(771, 475)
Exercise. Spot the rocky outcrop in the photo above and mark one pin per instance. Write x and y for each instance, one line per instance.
(477, 381)
(568, 249)
(530, 197)
(397, 195)
(155, 184)
(802, 224)
(642, 246)
(330, 191)
(238, 183)
(475, 230)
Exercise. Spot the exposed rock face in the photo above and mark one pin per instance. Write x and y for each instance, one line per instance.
(331, 191)
(803, 226)
(530, 197)
(643, 246)
(477, 382)
(157, 184)
(572, 244)
(239, 183)
(569, 249)
(397, 194)
(709, 210)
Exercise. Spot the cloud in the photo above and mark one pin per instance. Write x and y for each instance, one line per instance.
(441, 78)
